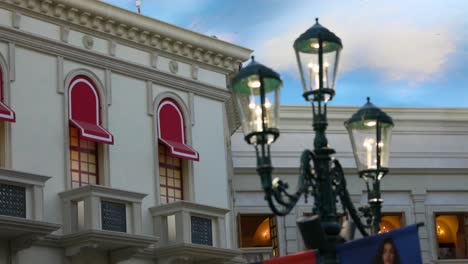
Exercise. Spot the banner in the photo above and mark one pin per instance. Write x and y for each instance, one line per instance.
(400, 246)
(304, 257)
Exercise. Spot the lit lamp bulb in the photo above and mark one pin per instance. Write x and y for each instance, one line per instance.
(315, 45)
(370, 123)
(254, 84)
(368, 144)
(267, 104)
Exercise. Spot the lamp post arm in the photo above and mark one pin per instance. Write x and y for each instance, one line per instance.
(345, 198)
(277, 192)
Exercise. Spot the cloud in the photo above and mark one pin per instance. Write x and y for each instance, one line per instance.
(398, 49)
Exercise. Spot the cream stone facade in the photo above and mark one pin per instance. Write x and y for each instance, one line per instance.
(134, 63)
(428, 171)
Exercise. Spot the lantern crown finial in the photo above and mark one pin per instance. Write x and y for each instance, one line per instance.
(316, 20)
(368, 99)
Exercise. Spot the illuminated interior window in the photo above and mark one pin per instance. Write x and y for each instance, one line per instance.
(259, 231)
(83, 160)
(390, 221)
(451, 233)
(170, 176)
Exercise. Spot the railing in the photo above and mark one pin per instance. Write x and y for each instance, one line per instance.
(21, 194)
(191, 223)
(95, 207)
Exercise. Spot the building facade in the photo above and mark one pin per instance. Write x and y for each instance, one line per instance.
(114, 137)
(427, 181)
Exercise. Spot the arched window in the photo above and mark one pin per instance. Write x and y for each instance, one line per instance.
(85, 131)
(172, 150)
(6, 114)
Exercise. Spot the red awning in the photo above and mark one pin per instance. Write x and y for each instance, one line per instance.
(84, 111)
(6, 114)
(171, 131)
(305, 257)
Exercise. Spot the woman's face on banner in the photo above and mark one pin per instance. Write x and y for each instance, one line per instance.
(388, 254)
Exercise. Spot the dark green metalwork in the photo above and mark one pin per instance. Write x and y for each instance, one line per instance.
(321, 176)
(313, 35)
(369, 112)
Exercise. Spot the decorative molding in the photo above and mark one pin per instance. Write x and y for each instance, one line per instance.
(194, 71)
(16, 20)
(60, 76)
(154, 59)
(59, 10)
(191, 106)
(173, 66)
(108, 85)
(101, 61)
(112, 48)
(98, 17)
(64, 33)
(12, 61)
(116, 256)
(88, 42)
(149, 98)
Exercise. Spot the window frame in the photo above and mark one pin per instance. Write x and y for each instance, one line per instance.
(275, 251)
(187, 165)
(103, 149)
(5, 128)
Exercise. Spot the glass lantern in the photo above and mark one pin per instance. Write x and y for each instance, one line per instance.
(256, 91)
(370, 131)
(317, 53)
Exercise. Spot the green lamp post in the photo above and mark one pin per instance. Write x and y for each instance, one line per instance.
(256, 90)
(370, 131)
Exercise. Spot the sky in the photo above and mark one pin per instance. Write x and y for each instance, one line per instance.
(398, 52)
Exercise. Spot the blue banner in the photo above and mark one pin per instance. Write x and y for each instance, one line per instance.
(400, 246)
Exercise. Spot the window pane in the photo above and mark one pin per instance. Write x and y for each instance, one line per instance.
(177, 184)
(255, 231)
(177, 162)
(74, 155)
(162, 158)
(451, 233)
(84, 177)
(73, 132)
(176, 174)
(163, 191)
(92, 179)
(178, 194)
(162, 180)
(162, 171)
(83, 161)
(170, 182)
(170, 192)
(84, 166)
(75, 176)
(170, 173)
(74, 141)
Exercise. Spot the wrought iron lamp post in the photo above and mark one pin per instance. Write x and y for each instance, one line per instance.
(256, 89)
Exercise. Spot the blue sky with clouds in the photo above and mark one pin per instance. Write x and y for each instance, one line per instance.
(399, 52)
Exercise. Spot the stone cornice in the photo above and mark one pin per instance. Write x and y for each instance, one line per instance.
(196, 252)
(98, 190)
(125, 25)
(188, 206)
(23, 177)
(106, 62)
(397, 113)
(249, 171)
